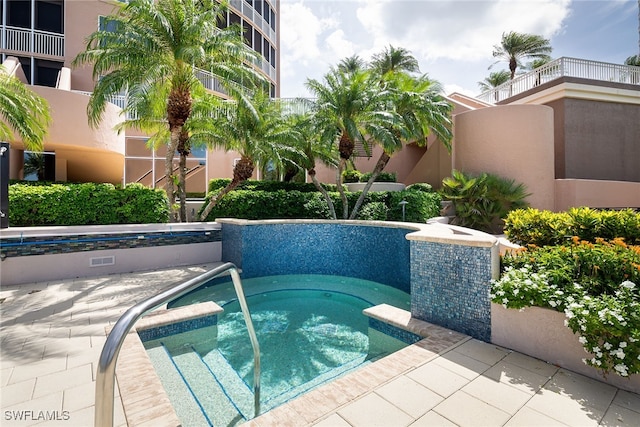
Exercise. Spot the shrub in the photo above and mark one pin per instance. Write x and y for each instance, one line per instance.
(374, 211)
(84, 204)
(217, 184)
(351, 175)
(482, 202)
(420, 186)
(382, 177)
(593, 283)
(532, 226)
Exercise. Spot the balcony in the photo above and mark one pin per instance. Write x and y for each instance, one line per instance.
(31, 42)
(563, 67)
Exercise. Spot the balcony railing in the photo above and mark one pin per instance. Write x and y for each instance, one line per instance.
(563, 67)
(32, 41)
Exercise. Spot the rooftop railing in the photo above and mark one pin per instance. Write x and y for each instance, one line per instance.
(563, 67)
(31, 41)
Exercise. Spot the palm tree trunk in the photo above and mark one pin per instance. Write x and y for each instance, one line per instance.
(242, 171)
(345, 203)
(183, 150)
(323, 191)
(380, 165)
(168, 172)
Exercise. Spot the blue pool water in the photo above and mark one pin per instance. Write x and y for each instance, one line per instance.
(310, 328)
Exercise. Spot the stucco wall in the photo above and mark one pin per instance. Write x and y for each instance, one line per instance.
(512, 141)
(597, 140)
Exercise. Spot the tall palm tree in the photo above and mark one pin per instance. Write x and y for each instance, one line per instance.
(515, 47)
(348, 107)
(153, 53)
(494, 80)
(23, 113)
(351, 64)
(257, 131)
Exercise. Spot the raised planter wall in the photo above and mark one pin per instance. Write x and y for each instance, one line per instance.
(541, 333)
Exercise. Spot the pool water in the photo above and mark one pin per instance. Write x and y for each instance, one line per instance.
(309, 329)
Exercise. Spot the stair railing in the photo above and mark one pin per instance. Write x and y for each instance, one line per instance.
(105, 377)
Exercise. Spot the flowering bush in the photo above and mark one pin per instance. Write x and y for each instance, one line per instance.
(579, 280)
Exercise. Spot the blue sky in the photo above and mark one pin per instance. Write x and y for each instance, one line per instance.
(452, 39)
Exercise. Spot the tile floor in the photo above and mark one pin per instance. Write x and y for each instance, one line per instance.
(52, 333)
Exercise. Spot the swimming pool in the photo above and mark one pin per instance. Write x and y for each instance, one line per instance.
(311, 330)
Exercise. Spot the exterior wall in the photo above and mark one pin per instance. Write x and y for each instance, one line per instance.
(597, 140)
(66, 252)
(596, 194)
(514, 141)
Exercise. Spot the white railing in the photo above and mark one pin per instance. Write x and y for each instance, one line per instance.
(564, 67)
(32, 41)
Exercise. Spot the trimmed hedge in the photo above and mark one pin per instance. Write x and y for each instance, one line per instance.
(217, 184)
(545, 228)
(85, 204)
(311, 205)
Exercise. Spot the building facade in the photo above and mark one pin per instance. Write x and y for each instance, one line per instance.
(38, 41)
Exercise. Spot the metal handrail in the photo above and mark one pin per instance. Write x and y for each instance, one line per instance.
(105, 377)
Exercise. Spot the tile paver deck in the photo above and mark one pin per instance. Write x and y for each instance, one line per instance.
(51, 335)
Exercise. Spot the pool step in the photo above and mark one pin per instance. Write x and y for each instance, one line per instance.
(239, 392)
(211, 396)
(184, 403)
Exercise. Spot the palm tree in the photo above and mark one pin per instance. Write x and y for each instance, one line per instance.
(515, 47)
(420, 111)
(494, 80)
(311, 150)
(22, 111)
(352, 64)
(392, 60)
(633, 60)
(257, 131)
(153, 54)
(348, 107)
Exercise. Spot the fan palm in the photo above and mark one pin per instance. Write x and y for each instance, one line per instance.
(515, 47)
(22, 112)
(257, 131)
(152, 54)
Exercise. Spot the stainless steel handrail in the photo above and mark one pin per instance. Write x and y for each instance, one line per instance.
(105, 377)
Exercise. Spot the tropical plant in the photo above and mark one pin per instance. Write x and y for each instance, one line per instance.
(350, 108)
(151, 56)
(394, 60)
(257, 131)
(22, 111)
(494, 80)
(515, 47)
(633, 60)
(482, 202)
(351, 64)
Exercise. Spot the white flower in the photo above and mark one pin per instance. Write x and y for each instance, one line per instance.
(608, 346)
(628, 284)
(505, 300)
(622, 344)
(619, 353)
(622, 369)
(582, 340)
(595, 349)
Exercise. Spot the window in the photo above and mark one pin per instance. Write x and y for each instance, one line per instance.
(49, 16)
(19, 13)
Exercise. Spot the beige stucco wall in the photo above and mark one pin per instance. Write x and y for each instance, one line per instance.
(512, 141)
(596, 194)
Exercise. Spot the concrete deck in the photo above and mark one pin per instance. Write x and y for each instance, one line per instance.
(52, 334)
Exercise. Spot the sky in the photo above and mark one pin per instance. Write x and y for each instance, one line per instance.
(451, 39)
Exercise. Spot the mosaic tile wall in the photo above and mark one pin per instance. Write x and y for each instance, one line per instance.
(393, 331)
(14, 247)
(450, 287)
(380, 254)
(177, 328)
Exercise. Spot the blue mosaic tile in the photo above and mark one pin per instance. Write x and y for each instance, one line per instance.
(177, 328)
(393, 331)
(450, 287)
(379, 254)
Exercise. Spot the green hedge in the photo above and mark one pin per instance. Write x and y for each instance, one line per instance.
(85, 204)
(544, 228)
(251, 185)
(311, 205)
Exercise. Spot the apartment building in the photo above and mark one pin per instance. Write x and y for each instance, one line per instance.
(38, 41)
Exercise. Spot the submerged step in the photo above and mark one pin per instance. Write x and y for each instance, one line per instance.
(212, 398)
